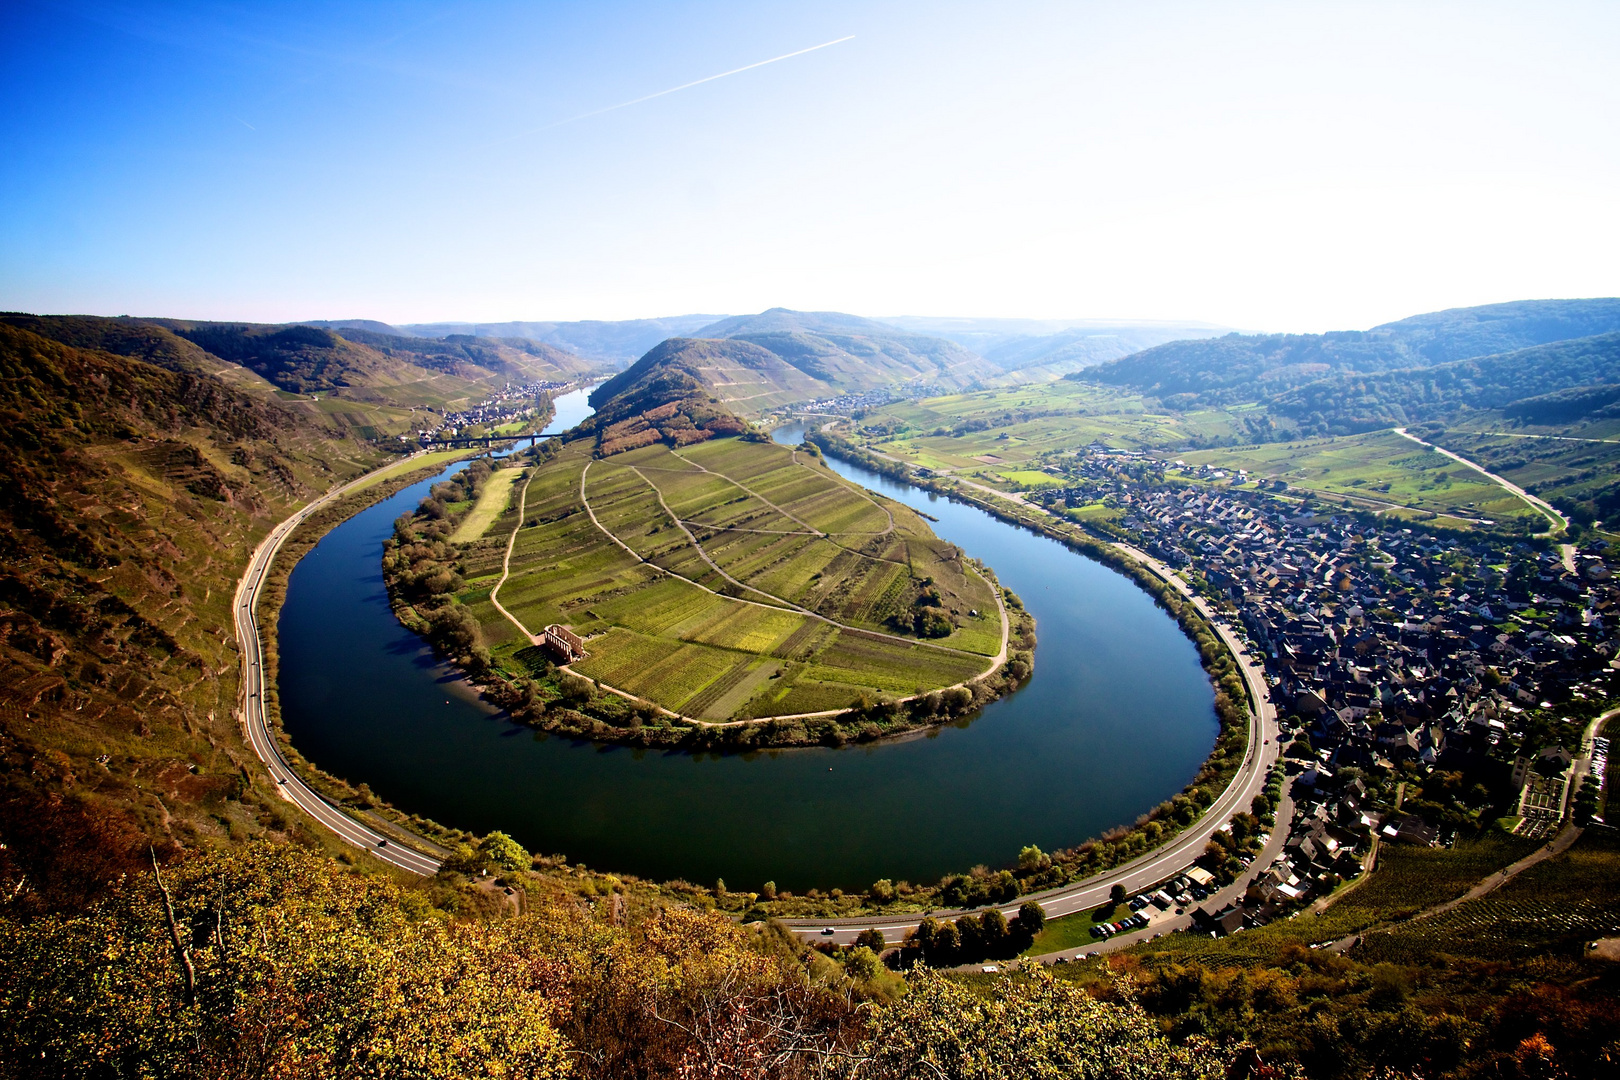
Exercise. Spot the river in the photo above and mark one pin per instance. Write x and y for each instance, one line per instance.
(1117, 717)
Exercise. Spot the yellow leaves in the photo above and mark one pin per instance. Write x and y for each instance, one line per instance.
(302, 970)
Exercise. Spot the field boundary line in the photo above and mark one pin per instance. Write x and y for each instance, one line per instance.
(995, 662)
(506, 564)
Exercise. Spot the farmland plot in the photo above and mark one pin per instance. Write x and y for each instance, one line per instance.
(663, 624)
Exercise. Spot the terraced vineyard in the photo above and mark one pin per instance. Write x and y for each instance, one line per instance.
(733, 579)
(1552, 908)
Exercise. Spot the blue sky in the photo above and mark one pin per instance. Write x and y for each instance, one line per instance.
(1270, 166)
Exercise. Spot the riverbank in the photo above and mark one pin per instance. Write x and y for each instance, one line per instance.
(356, 800)
(1121, 716)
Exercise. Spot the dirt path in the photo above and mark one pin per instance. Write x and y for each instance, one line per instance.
(506, 566)
(995, 661)
(1556, 846)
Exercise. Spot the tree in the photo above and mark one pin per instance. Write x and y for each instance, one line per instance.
(1117, 894)
(1033, 858)
(503, 851)
(1034, 1026)
(970, 938)
(267, 961)
(870, 938)
(1031, 918)
(994, 931)
(881, 892)
(947, 943)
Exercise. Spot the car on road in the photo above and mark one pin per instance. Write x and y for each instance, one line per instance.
(827, 931)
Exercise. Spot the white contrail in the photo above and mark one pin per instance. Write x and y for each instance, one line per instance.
(695, 82)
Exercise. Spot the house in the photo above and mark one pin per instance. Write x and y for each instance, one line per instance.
(1228, 920)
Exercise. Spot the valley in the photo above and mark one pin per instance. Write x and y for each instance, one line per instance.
(719, 594)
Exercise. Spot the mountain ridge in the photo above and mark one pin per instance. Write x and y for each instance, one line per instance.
(1228, 369)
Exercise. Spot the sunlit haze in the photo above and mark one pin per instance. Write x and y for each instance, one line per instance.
(1268, 166)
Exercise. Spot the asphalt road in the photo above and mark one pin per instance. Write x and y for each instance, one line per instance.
(293, 789)
(1154, 866)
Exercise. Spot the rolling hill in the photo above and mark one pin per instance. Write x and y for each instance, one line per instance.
(1558, 383)
(852, 354)
(1238, 368)
(368, 382)
(1035, 350)
(616, 343)
(753, 364)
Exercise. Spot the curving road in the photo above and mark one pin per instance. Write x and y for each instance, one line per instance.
(243, 609)
(1558, 522)
(1154, 866)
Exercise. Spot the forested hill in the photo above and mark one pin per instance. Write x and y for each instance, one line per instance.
(1560, 383)
(1239, 368)
(519, 359)
(853, 354)
(305, 359)
(1460, 333)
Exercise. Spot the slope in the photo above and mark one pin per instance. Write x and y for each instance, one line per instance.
(703, 374)
(1559, 383)
(370, 383)
(853, 354)
(133, 493)
(1239, 368)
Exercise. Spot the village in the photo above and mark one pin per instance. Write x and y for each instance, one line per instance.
(1427, 686)
(512, 404)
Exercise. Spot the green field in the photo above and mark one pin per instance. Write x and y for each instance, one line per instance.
(491, 505)
(997, 432)
(1381, 471)
(1554, 468)
(1074, 931)
(751, 581)
(411, 464)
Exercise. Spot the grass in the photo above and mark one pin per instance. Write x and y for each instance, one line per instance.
(1017, 426)
(741, 640)
(1073, 931)
(492, 504)
(1381, 469)
(1548, 467)
(411, 464)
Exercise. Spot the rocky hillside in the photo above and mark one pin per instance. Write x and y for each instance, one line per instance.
(134, 491)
